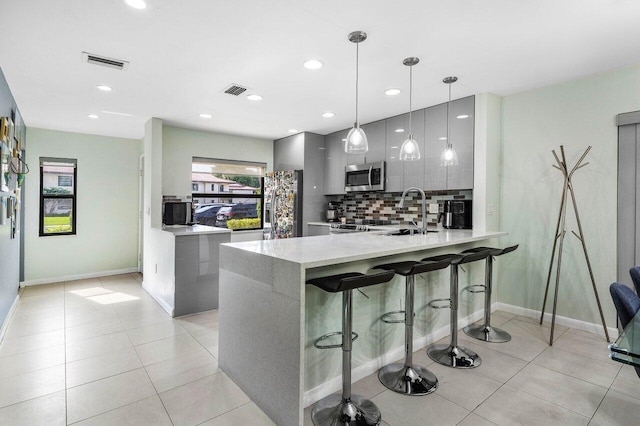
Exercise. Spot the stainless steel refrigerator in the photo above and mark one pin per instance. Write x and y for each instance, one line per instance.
(283, 204)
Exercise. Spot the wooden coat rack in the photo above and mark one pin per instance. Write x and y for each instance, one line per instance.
(559, 238)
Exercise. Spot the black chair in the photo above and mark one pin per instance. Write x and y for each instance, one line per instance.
(627, 305)
(484, 331)
(407, 378)
(635, 277)
(453, 355)
(346, 409)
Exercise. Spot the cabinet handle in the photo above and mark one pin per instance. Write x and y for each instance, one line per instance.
(370, 169)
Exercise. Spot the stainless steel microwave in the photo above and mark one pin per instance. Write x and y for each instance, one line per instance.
(364, 177)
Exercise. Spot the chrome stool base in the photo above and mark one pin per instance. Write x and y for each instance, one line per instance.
(454, 356)
(487, 334)
(356, 411)
(415, 380)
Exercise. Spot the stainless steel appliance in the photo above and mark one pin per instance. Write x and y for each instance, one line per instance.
(364, 177)
(457, 214)
(283, 204)
(333, 211)
(342, 228)
(176, 213)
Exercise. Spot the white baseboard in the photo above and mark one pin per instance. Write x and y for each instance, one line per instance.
(363, 370)
(590, 327)
(78, 277)
(7, 320)
(164, 305)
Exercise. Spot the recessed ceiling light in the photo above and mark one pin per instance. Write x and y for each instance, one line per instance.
(93, 116)
(124, 114)
(463, 116)
(328, 115)
(392, 92)
(254, 97)
(204, 115)
(293, 131)
(442, 139)
(103, 88)
(313, 64)
(399, 130)
(136, 4)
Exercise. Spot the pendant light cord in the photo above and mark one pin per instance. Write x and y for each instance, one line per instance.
(448, 122)
(357, 68)
(410, 98)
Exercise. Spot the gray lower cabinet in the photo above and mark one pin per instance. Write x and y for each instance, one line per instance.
(335, 162)
(196, 272)
(315, 230)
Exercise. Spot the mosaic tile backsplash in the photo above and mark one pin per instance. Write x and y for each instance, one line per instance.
(384, 206)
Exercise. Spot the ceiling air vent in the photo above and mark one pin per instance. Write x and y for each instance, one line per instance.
(104, 61)
(235, 90)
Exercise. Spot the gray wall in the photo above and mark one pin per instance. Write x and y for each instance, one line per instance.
(9, 248)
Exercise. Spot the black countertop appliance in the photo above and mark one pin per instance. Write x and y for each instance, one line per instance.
(457, 214)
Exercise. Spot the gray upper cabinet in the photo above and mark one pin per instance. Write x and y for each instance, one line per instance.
(376, 135)
(435, 133)
(462, 134)
(403, 174)
(437, 177)
(335, 162)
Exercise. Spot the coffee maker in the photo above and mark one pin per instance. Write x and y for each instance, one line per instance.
(333, 211)
(457, 214)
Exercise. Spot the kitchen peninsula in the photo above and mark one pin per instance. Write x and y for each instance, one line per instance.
(269, 319)
(186, 273)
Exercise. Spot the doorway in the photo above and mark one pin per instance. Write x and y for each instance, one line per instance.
(628, 221)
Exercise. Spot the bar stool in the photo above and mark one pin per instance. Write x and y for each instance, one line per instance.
(346, 409)
(484, 331)
(407, 378)
(453, 355)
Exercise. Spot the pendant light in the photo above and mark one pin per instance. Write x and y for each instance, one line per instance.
(449, 157)
(410, 151)
(356, 139)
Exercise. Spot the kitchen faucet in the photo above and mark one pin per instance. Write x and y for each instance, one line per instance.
(424, 205)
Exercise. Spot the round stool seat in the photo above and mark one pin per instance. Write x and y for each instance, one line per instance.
(411, 267)
(492, 250)
(350, 281)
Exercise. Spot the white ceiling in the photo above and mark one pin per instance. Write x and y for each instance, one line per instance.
(183, 53)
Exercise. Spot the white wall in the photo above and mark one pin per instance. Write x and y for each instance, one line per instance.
(575, 114)
(107, 207)
(179, 146)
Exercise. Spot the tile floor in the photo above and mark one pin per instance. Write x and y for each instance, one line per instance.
(102, 352)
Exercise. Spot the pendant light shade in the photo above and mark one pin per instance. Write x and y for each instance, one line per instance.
(449, 157)
(356, 139)
(410, 150)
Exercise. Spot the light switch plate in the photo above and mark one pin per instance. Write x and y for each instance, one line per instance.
(433, 208)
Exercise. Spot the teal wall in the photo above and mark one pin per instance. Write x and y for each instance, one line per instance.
(575, 114)
(9, 248)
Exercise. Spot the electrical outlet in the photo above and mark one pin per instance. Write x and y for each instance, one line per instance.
(490, 209)
(433, 208)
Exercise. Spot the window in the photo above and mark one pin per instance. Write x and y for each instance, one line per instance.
(194, 186)
(237, 202)
(58, 188)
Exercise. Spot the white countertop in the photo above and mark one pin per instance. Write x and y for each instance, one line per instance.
(311, 252)
(194, 230)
